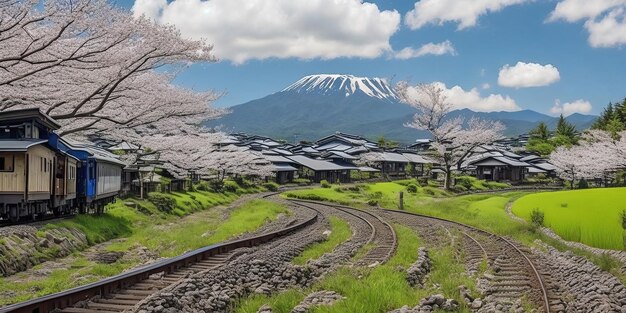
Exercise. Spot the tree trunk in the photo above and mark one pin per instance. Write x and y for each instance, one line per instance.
(448, 180)
(140, 185)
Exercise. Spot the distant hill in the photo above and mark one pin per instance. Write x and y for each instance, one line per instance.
(318, 105)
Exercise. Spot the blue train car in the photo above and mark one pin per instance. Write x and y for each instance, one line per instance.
(99, 177)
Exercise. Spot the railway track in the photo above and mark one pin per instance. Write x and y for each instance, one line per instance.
(122, 292)
(514, 277)
(382, 235)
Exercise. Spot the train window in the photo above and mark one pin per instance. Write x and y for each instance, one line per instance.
(6, 163)
(41, 159)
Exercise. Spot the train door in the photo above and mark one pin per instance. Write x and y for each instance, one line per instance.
(59, 176)
(91, 180)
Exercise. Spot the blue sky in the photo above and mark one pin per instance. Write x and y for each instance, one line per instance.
(590, 62)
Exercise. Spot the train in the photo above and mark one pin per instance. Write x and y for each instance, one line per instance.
(43, 174)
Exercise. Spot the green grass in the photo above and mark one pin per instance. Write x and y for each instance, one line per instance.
(340, 232)
(201, 231)
(82, 271)
(590, 216)
(377, 289)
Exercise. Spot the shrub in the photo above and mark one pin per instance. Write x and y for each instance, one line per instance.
(376, 195)
(564, 205)
(429, 191)
(622, 216)
(325, 184)
(583, 184)
(271, 186)
(338, 189)
(411, 188)
(458, 189)
(372, 202)
(242, 182)
(215, 185)
(464, 181)
(536, 217)
(231, 186)
(302, 181)
(162, 202)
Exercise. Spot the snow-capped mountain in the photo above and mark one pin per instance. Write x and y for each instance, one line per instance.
(346, 85)
(318, 105)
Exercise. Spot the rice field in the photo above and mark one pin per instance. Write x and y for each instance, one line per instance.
(590, 216)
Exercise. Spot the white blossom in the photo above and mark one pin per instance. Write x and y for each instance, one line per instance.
(452, 138)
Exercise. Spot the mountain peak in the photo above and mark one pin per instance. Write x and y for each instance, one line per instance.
(344, 85)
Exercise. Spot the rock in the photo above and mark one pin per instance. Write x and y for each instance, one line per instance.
(416, 274)
(476, 304)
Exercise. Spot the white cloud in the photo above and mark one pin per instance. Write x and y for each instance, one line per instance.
(465, 13)
(528, 75)
(242, 29)
(472, 99)
(569, 108)
(576, 10)
(605, 20)
(445, 47)
(486, 86)
(609, 31)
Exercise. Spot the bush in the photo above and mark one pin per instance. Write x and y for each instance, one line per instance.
(215, 185)
(464, 181)
(376, 195)
(231, 186)
(411, 188)
(302, 181)
(622, 216)
(162, 202)
(536, 218)
(372, 202)
(325, 184)
(458, 189)
(583, 184)
(243, 183)
(271, 186)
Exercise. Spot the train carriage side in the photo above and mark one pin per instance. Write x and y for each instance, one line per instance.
(26, 178)
(98, 175)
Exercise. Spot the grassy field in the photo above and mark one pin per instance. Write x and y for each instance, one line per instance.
(164, 235)
(484, 210)
(340, 232)
(198, 231)
(379, 289)
(590, 216)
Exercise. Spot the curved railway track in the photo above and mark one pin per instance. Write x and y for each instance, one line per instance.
(121, 292)
(382, 236)
(515, 275)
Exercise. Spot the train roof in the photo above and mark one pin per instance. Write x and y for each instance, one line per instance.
(93, 151)
(19, 145)
(27, 115)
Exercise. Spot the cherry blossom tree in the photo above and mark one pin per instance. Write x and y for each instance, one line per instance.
(234, 160)
(101, 73)
(596, 155)
(453, 138)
